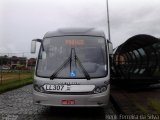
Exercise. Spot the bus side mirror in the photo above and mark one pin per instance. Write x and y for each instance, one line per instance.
(33, 46)
(110, 48)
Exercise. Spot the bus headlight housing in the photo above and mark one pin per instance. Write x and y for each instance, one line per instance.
(38, 88)
(100, 89)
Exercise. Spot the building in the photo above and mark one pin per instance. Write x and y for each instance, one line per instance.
(15, 62)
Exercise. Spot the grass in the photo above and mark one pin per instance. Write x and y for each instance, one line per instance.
(11, 81)
(15, 75)
(152, 106)
(155, 104)
(142, 109)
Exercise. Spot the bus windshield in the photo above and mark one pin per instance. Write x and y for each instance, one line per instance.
(90, 51)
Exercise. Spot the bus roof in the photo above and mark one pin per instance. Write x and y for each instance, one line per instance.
(75, 31)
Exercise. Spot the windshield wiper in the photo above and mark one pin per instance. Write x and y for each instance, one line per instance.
(80, 64)
(83, 69)
(60, 68)
(69, 60)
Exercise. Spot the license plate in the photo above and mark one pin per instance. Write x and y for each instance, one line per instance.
(55, 88)
(68, 102)
(68, 88)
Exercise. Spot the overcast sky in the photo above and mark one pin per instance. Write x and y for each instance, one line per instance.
(23, 20)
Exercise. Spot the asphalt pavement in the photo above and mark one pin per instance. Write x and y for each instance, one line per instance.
(17, 105)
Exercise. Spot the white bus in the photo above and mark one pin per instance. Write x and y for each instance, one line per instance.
(72, 69)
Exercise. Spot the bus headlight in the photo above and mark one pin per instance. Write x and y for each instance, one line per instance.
(100, 89)
(38, 88)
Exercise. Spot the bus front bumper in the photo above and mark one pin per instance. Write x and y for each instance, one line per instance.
(89, 100)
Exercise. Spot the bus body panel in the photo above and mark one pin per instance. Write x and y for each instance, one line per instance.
(91, 100)
(82, 100)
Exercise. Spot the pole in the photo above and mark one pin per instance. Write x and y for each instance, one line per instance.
(108, 21)
(1, 69)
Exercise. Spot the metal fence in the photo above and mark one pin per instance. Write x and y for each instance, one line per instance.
(16, 66)
(7, 76)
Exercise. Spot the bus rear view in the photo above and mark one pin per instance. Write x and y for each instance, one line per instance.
(72, 69)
